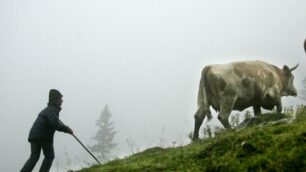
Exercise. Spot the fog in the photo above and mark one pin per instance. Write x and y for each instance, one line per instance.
(142, 58)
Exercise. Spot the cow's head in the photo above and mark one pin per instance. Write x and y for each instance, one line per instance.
(289, 89)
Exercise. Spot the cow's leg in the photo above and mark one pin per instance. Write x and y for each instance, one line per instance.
(226, 108)
(257, 110)
(198, 117)
(279, 107)
(223, 117)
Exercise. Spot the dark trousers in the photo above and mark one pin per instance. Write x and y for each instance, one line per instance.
(48, 151)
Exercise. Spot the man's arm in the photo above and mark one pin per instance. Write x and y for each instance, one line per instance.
(53, 121)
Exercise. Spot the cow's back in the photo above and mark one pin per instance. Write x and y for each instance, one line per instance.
(249, 81)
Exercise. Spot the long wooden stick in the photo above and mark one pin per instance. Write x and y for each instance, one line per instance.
(81, 144)
(86, 148)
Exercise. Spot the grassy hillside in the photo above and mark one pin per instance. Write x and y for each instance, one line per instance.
(273, 147)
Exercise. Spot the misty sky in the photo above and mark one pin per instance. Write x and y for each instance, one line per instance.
(141, 57)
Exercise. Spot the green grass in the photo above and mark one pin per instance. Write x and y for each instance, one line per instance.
(277, 147)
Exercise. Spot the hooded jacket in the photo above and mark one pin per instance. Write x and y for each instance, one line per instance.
(45, 125)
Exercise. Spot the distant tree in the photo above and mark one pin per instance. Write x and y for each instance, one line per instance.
(303, 90)
(207, 131)
(300, 113)
(218, 130)
(105, 136)
(234, 119)
(247, 115)
(289, 110)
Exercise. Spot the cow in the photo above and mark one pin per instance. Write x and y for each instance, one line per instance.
(239, 85)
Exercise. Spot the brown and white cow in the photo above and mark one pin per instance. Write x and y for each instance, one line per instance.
(239, 85)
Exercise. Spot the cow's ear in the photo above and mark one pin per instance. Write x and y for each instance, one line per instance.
(286, 69)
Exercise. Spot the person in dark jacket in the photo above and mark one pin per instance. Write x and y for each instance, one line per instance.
(42, 133)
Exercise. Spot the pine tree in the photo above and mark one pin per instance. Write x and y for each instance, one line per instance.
(234, 120)
(105, 136)
(207, 131)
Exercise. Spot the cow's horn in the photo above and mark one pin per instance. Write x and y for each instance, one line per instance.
(294, 67)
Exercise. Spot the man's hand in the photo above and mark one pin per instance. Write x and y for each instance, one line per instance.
(69, 130)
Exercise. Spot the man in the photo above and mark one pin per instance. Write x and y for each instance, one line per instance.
(42, 133)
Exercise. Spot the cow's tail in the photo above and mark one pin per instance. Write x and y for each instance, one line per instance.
(202, 94)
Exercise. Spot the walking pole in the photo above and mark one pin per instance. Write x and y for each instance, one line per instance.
(81, 144)
(86, 149)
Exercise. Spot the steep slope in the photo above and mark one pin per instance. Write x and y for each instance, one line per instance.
(273, 147)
